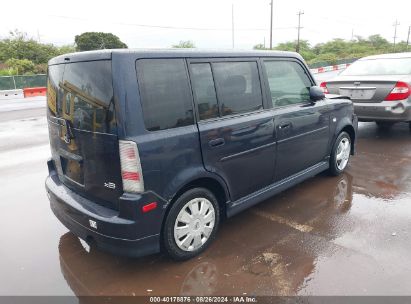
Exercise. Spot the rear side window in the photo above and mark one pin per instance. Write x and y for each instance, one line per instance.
(204, 91)
(165, 93)
(238, 87)
(288, 82)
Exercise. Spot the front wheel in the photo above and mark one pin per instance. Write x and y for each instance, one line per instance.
(340, 154)
(191, 224)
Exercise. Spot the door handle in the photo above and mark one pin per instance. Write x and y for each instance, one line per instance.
(284, 125)
(216, 142)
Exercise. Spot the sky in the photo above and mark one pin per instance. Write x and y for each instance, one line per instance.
(160, 23)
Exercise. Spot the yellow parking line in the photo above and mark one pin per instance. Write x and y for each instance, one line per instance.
(282, 220)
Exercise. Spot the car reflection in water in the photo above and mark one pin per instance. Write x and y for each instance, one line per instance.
(258, 253)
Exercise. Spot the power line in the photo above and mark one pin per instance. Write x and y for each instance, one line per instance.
(169, 27)
(297, 49)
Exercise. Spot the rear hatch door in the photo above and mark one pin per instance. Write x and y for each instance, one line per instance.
(83, 130)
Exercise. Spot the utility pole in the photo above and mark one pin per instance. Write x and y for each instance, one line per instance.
(297, 49)
(408, 37)
(352, 34)
(232, 23)
(395, 31)
(271, 26)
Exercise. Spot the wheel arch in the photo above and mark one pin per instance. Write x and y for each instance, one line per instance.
(211, 183)
(219, 190)
(345, 125)
(351, 132)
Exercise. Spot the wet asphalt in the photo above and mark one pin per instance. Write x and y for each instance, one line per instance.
(346, 235)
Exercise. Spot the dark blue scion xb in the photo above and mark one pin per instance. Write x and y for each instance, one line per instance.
(151, 149)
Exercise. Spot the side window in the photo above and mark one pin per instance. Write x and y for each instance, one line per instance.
(238, 86)
(165, 93)
(204, 90)
(288, 82)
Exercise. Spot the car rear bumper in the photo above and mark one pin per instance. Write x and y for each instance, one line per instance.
(127, 232)
(384, 111)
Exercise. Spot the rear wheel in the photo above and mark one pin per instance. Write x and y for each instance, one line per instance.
(191, 224)
(340, 154)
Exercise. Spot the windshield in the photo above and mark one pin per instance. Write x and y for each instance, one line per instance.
(82, 93)
(386, 66)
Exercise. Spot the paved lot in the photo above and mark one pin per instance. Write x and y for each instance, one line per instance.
(348, 235)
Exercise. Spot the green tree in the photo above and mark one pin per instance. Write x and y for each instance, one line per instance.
(188, 44)
(259, 46)
(19, 46)
(378, 42)
(305, 48)
(324, 59)
(97, 41)
(21, 66)
(65, 49)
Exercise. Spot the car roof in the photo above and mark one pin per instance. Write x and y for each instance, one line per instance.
(173, 53)
(388, 56)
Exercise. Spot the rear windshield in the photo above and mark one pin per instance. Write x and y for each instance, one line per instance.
(386, 66)
(82, 94)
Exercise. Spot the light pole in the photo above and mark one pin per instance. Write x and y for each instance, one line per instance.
(297, 49)
(271, 26)
(395, 31)
(232, 24)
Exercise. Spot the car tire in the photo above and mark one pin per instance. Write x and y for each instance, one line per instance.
(191, 224)
(340, 154)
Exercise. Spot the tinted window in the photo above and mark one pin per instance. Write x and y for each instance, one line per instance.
(54, 91)
(91, 79)
(165, 93)
(238, 85)
(204, 91)
(82, 93)
(288, 82)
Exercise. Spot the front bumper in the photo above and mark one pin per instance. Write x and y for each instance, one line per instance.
(127, 232)
(394, 111)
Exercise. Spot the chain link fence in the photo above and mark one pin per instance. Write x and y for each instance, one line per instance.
(22, 81)
(320, 64)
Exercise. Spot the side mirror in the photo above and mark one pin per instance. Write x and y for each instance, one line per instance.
(316, 94)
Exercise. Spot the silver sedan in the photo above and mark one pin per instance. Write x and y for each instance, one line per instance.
(379, 86)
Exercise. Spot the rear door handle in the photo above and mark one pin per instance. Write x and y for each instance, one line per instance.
(216, 142)
(285, 125)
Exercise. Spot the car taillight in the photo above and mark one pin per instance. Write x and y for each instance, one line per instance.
(131, 171)
(323, 86)
(401, 91)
